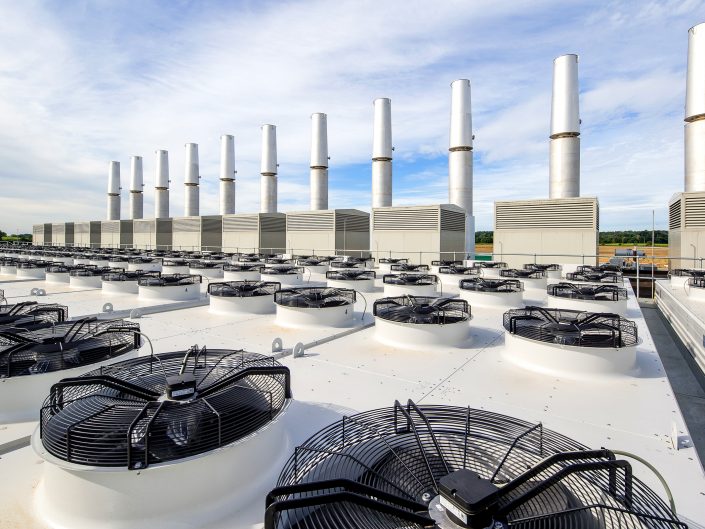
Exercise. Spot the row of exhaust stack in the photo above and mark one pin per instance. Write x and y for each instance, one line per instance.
(564, 164)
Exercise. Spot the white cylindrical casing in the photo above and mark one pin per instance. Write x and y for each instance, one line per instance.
(534, 283)
(319, 188)
(588, 305)
(382, 153)
(490, 273)
(460, 146)
(564, 155)
(340, 316)
(695, 155)
(57, 277)
(175, 269)
(8, 269)
(191, 176)
(460, 115)
(31, 273)
(492, 299)
(119, 287)
(360, 285)
(460, 178)
(391, 290)
(136, 188)
(208, 273)
(286, 280)
(242, 275)
(114, 191)
(171, 292)
(695, 84)
(421, 336)
(99, 262)
(268, 182)
(227, 174)
(85, 282)
(241, 305)
(319, 161)
(161, 185)
(118, 264)
(147, 267)
(68, 260)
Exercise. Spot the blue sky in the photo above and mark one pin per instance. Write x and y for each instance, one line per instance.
(83, 83)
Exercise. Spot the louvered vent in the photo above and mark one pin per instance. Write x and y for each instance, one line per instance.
(144, 226)
(112, 226)
(310, 221)
(694, 212)
(407, 219)
(452, 220)
(58, 229)
(674, 216)
(272, 224)
(82, 227)
(211, 224)
(189, 225)
(37, 232)
(546, 214)
(349, 223)
(240, 223)
(47, 233)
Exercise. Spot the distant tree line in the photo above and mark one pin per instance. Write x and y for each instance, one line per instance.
(22, 237)
(606, 237)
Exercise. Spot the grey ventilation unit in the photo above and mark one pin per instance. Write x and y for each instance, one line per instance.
(324, 232)
(198, 233)
(254, 232)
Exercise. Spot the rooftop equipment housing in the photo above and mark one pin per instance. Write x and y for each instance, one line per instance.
(319, 162)
(136, 188)
(227, 174)
(327, 232)
(152, 234)
(116, 233)
(62, 234)
(197, 233)
(114, 191)
(254, 232)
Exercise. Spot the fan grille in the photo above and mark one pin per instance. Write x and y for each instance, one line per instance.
(351, 274)
(409, 279)
(422, 310)
(459, 270)
(119, 416)
(479, 284)
(282, 270)
(243, 267)
(538, 266)
(243, 289)
(169, 280)
(128, 276)
(523, 273)
(389, 260)
(406, 267)
(30, 314)
(315, 297)
(594, 277)
(687, 272)
(588, 292)
(571, 327)
(490, 264)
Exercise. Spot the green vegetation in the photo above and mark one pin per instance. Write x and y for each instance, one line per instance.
(483, 237)
(607, 238)
(22, 237)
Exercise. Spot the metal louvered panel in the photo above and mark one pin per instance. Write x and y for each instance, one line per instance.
(350, 223)
(271, 224)
(310, 221)
(240, 223)
(58, 229)
(143, 226)
(452, 220)
(694, 214)
(405, 219)
(674, 215)
(110, 226)
(81, 227)
(38, 234)
(187, 225)
(578, 213)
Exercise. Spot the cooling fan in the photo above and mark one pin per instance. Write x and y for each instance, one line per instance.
(315, 297)
(429, 466)
(407, 267)
(161, 408)
(243, 289)
(315, 306)
(30, 315)
(422, 310)
(594, 277)
(587, 292)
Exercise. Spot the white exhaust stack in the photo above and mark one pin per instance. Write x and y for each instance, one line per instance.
(382, 154)
(564, 147)
(319, 161)
(191, 181)
(227, 174)
(460, 156)
(114, 191)
(161, 186)
(136, 185)
(268, 182)
(695, 111)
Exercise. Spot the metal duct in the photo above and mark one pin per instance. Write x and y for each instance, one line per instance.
(191, 177)
(319, 161)
(564, 146)
(382, 153)
(695, 111)
(161, 185)
(136, 188)
(268, 182)
(227, 174)
(114, 191)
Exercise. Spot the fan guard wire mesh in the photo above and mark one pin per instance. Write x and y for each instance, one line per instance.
(410, 279)
(91, 271)
(540, 266)
(389, 260)
(65, 345)
(315, 297)
(174, 262)
(282, 270)
(380, 469)
(422, 310)
(199, 264)
(143, 260)
(490, 264)
(604, 267)
(594, 277)
(128, 275)
(243, 267)
(351, 274)
(480, 284)
(169, 280)
(571, 327)
(346, 265)
(312, 261)
(588, 292)
(243, 289)
(117, 416)
(459, 270)
(523, 273)
(446, 262)
(30, 313)
(33, 264)
(407, 267)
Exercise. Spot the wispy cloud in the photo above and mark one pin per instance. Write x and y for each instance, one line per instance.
(88, 82)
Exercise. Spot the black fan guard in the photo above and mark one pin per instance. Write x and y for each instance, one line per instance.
(459, 270)
(390, 260)
(422, 310)
(587, 292)
(540, 266)
(490, 264)
(129, 414)
(346, 265)
(594, 277)
(133, 275)
(65, 345)
(282, 270)
(571, 327)
(351, 274)
(410, 279)
(243, 267)
(522, 273)
(384, 468)
(243, 289)
(480, 284)
(169, 280)
(407, 267)
(315, 297)
(31, 315)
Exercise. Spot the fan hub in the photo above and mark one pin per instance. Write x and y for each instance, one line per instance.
(463, 494)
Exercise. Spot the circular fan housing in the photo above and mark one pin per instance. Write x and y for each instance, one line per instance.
(418, 322)
(490, 269)
(286, 275)
(446, 263)
(315, 307)
(589, 298)
(175, 266)
(42, 357)
(570, 343)
(403, 284)
(146, 264)
(695, 288)
(59, 273)
(123, 282)
(120, 262)
(385, 264)
(170, 287)
(553, 271)
(314, 265)
(504, 293)
(530, 278)
(358, 279)
(66, 259)
(449, 467)
(242, 297)
(99, 261)
(32, 270)
(242, 271)
(164, 441)
(208, 269)
(8, 266)
(598, 277)
(87, 277)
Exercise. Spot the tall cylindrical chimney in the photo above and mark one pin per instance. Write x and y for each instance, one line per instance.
(191, 181)
(695, 111)
(460, 148)
(268, 182)
(564, 146)
(161, 185)
(227, 174)
(319, 161)
(382, 153)
(136, 188)
(114, 191)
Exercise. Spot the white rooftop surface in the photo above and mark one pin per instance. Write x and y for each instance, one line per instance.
(634, 413)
